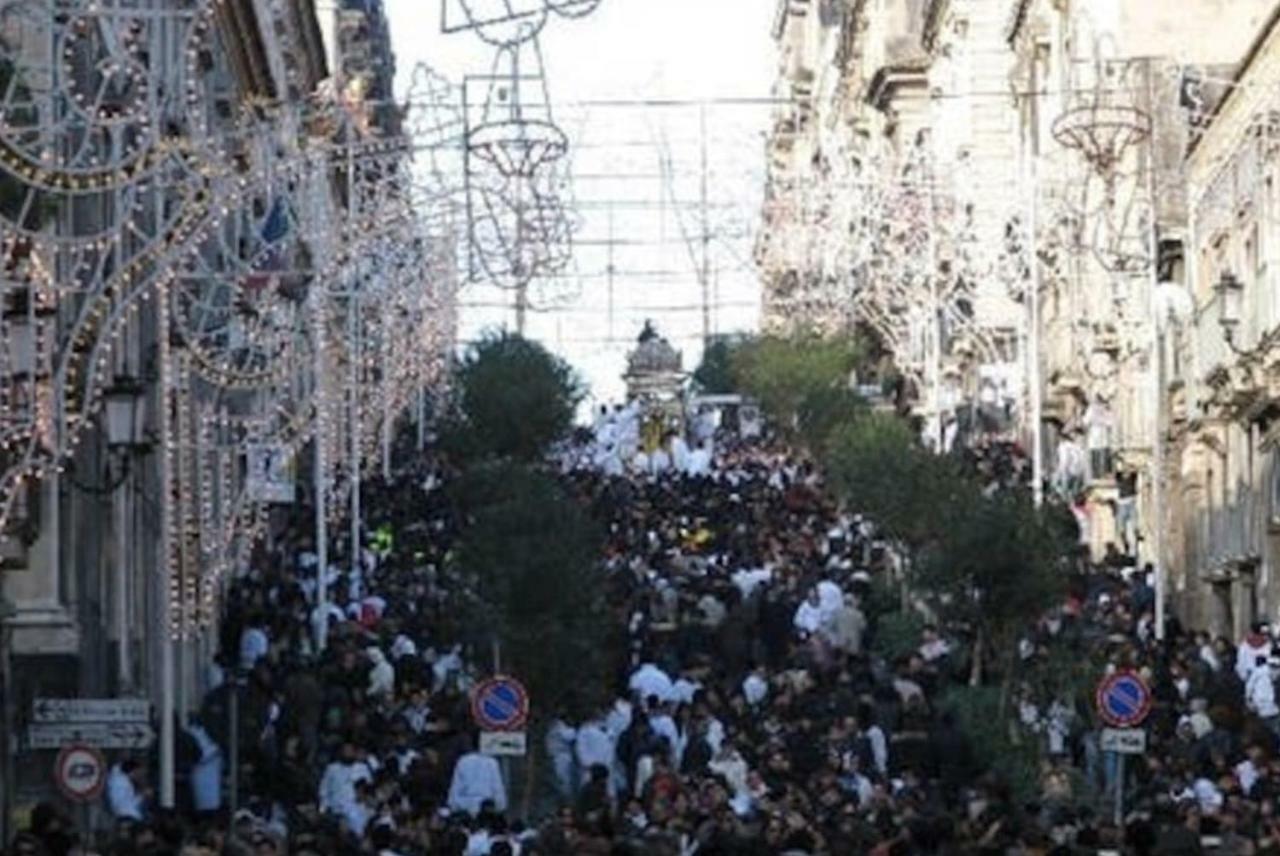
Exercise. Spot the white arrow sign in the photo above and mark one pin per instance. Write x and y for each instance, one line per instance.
(511, 743)
(1126, 741)
(91, 710)
(104, 735)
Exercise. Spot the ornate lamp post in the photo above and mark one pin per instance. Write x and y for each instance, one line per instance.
(1230, 293)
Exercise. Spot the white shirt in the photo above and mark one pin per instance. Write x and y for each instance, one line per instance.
(808, 617)
(1247, 774)
(338, 785)
(477, 778)
(1247, 657)
(649, 680)
(253, 647)
(1260, 694)
(755, 689)
(123, 799)
(593, 746)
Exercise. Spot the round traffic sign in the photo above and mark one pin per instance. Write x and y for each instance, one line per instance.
(81, 772)
(500, 704)
(1123, 700)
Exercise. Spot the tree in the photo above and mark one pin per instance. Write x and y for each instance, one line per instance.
(714, 375)
(877, 465)
(997, 568)
(532, 554)
(514, 399)
(801, 382)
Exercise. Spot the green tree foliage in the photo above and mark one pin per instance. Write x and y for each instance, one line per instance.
(514, 399)
(995, 569)
(877, 465)
(801, 382)
(714, 375)
(533, 554)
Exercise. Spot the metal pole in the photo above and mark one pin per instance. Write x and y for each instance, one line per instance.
(167, 736)
(705, 273)
(1157, 378)
(8, 780)
(353, 307)
(124, 665)
(1033, 334)
(233, 801)
(1119, 789)
(321, 480)
(935, 320)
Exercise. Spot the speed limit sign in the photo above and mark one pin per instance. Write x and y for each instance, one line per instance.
(81, 772)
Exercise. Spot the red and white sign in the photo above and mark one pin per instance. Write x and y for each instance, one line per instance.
(500, 704)
(81, 772)
(1123, 700)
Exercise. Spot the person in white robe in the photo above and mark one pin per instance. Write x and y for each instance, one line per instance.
(649, 680)
(561, 737)
(206, 772)
(594, 747)
(382, 675)
(809, 614)
(124, 793)
(477, 779)
(338, 784)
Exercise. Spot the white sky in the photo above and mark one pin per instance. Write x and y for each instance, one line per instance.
(629, 217)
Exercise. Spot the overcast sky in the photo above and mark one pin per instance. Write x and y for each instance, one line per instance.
(637, 168)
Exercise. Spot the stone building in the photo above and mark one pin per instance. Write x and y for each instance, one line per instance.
(1226, 478)
(924, 143)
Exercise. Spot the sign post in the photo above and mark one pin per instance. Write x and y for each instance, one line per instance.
(1124, 701)
(80, 772)
(500, 706)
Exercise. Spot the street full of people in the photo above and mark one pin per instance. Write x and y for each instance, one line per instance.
(756, 706)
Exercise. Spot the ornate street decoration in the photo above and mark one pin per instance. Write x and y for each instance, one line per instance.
(136, 195)
(508, 22)
(519, 229)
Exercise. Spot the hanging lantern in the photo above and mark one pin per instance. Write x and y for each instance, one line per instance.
(1230, 303)
(126, 414)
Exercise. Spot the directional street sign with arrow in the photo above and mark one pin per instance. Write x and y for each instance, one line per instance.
(91, 710)
(103, 735)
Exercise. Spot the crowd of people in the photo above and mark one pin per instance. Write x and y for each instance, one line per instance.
(755, 707)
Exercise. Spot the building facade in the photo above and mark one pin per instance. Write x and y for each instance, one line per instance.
(1035, 201)
(216, 299)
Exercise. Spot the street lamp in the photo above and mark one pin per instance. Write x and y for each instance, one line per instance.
(126, 405)
(1230, 293)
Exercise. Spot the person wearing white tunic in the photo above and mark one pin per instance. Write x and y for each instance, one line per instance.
(382, 675)
(649, 680)
(755, 688)
(594, 748)
(680, 454)
(254, 645)
(206, 773)
(809, 614)
(560, 739)
(124, 798)
(338, 785)
(477, 779)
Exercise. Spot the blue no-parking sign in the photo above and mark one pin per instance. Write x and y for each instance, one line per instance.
(500, 704)
(1123, 699)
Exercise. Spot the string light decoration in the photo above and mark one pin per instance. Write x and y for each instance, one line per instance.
(214, 222)
(519, 229)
